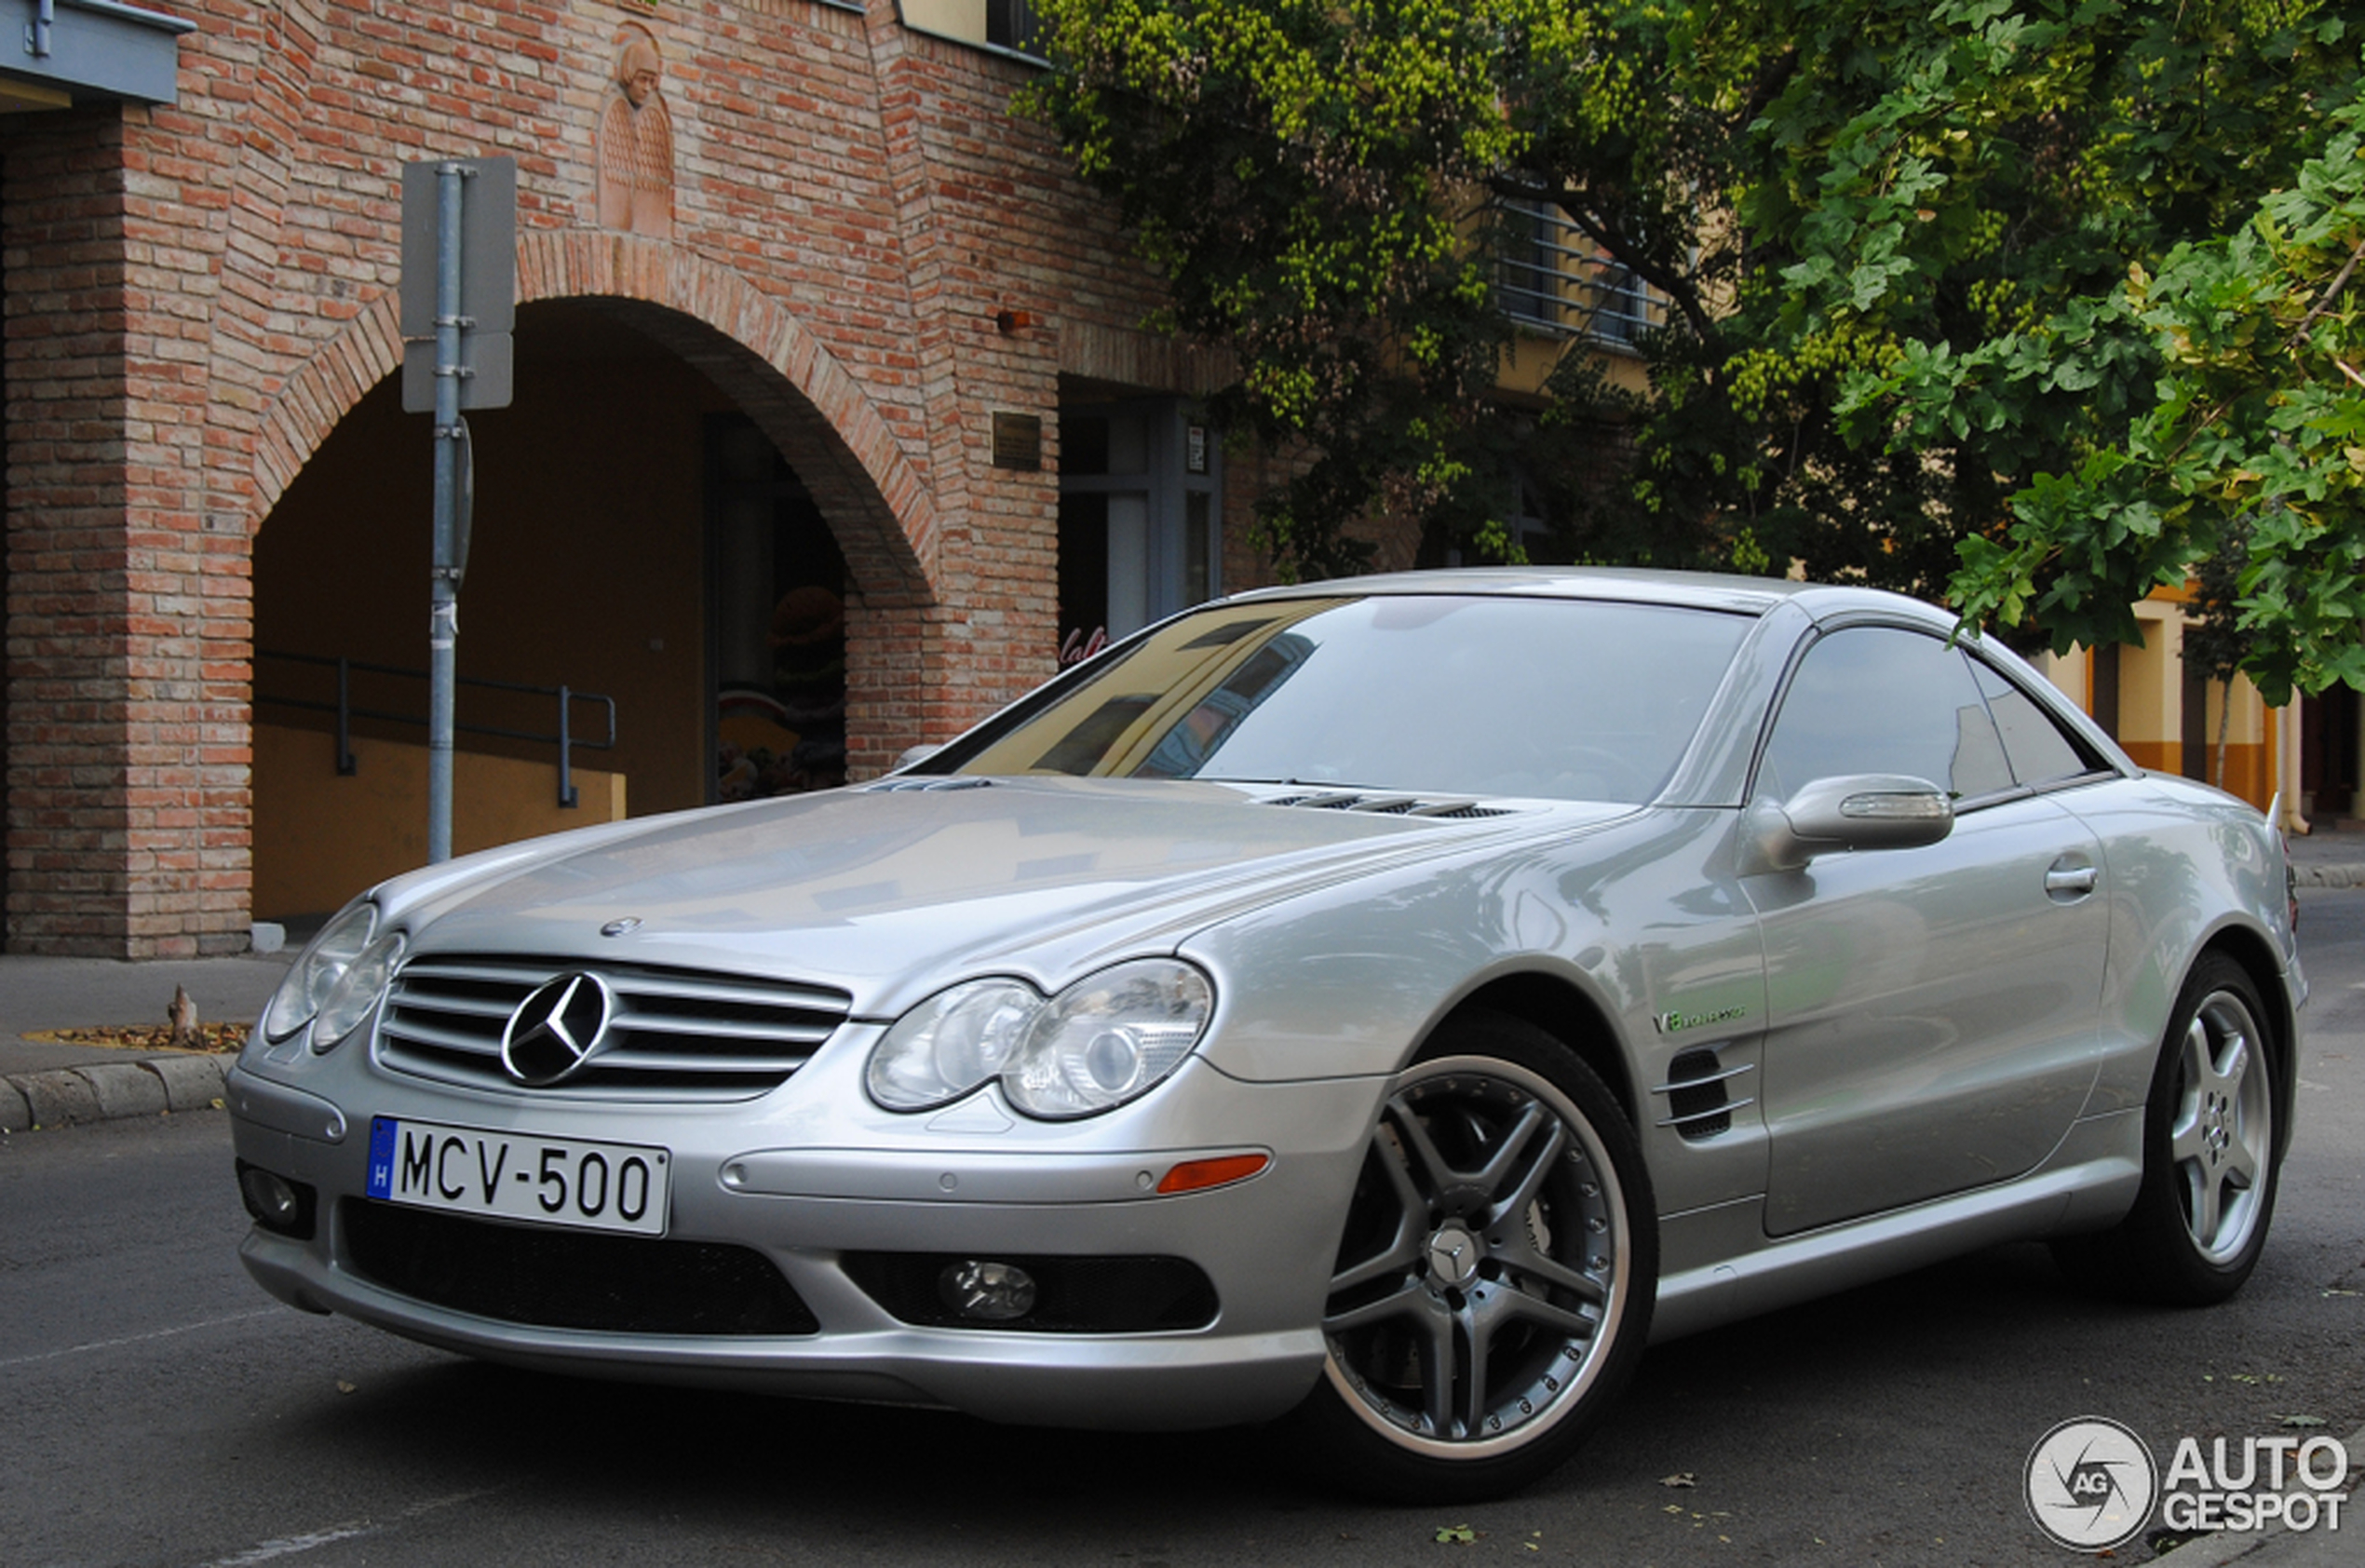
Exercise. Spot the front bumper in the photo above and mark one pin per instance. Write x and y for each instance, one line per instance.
(806, 1176)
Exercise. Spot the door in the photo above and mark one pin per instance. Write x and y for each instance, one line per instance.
(1933, 1012)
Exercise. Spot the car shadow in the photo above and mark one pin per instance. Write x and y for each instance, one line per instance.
(762, 1458)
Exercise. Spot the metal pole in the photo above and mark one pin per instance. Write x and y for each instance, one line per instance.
(566, 751)
(443, 616)
(345, 764)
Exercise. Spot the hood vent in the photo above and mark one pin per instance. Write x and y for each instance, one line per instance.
(1388, 806)
(947, 782)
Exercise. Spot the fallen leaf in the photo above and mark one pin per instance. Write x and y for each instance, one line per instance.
(1681, 1478)
(343, 1387)
(1459, 1535)
(215, 1037)
(2303, 1421)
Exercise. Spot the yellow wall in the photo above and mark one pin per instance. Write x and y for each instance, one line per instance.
(1532, 357)
(2151, 690)
(588, 566)
(320, 838)
(2151, 701)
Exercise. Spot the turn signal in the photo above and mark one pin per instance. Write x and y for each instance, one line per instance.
(1198, 1175)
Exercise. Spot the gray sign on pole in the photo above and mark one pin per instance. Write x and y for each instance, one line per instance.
(488, 281)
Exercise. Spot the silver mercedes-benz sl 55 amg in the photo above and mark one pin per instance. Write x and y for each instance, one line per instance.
(1380, 1006)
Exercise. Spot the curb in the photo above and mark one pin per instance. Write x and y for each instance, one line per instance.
(2329, 876)
(65, 1096)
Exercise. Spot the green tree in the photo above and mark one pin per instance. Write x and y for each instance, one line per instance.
(1894, 241)
(2250, 447)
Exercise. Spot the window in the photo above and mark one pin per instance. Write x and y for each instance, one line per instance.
(1549, 276)
(1386, 693)
(2041, 751)
(1881, 700)
(998, 24)
(1141, 534)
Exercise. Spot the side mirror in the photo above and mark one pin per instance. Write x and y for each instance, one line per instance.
(1855, 811)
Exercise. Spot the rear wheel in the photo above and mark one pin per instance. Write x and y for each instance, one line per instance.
(1493, 1286)
(2211, 1159)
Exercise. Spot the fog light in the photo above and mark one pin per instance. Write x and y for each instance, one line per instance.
(986, 1291)
(275, 1202)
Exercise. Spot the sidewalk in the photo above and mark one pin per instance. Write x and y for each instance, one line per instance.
(51, 1083)
(2330, 856)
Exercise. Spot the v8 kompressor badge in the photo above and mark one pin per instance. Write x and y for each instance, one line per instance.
(1675, 1020)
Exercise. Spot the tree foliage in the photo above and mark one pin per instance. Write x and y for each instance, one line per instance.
(2251, 446)
(1949, 285)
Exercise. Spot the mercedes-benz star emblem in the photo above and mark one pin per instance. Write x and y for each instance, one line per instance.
(556, 1029)
(625, 926)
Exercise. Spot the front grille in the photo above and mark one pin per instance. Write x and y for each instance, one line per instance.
(675, 1034)
(553, 1279)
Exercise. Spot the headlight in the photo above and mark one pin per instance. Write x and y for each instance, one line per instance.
(1108, 1038)
(950, 1043)
(302, 993)
(357, 990)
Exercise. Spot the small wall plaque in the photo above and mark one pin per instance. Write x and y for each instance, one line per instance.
(1018, 441)
(1195, 449)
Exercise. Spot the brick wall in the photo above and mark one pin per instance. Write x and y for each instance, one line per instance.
(198, 294)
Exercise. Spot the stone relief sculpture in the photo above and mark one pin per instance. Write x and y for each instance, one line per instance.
(636, 143)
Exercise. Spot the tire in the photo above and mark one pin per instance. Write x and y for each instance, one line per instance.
(1495, 1278)
(2211, 1154)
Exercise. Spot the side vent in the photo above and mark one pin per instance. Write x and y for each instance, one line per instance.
(1698, 1105)
(924, 781)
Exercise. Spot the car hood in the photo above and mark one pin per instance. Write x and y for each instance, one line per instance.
(892, 892)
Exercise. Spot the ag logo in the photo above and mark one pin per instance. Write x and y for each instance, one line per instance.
(2090, 1484)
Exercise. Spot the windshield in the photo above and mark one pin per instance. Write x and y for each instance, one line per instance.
(1556, 698)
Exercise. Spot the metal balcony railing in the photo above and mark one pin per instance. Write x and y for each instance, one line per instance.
(1550, 277)
(566, 740)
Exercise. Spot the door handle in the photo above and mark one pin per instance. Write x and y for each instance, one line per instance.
(2070, 881)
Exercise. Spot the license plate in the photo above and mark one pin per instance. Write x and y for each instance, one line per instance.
(518, 1176)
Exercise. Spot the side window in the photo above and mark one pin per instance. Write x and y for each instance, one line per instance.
(2041, 751)
(1879, 699)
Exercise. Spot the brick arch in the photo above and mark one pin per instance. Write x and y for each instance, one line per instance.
(876, 501)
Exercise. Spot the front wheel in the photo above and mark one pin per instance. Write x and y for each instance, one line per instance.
(2210, 1158)
(1493, 1286)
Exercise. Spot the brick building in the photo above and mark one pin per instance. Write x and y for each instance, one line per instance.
(834, 424)
(804, 315)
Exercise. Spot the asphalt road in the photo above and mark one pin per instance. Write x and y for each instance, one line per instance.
(156, 1408)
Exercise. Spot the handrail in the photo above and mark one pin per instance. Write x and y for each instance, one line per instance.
(342, 707)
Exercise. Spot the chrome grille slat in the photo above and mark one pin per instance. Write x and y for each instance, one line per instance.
(675, 1034)
(722, 1029)
(690, 990)
(469, 1007)
(409, 1028)
(525, 973)
(624, 1059)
